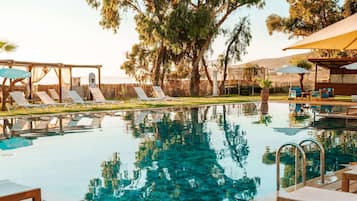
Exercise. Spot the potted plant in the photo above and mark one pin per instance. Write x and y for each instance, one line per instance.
(265, 84)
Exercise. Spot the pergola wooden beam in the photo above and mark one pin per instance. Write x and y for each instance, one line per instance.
(332, 64)
(41, 64)
(30, 65)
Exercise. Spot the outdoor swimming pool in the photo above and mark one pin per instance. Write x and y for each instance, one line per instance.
(218, 152)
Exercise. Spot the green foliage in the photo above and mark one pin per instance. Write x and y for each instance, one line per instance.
(237, 43)
(138, 62)
(264, 119)
(250, 70)
(302, 63)
(7, 47)
(239, 39)
(349, 7)
(305, 17)
(265, 83)
(185, 29)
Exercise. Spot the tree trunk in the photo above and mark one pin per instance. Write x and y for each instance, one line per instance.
(301, 81)
(195, 77)
(226, 65)
(206, 71)
(162, 77)
(195, 74)
(157, 64)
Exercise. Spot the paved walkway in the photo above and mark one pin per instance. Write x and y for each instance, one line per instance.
(320, 102)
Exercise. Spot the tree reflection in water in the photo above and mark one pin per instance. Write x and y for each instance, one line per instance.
(340, 148)
(177, 162)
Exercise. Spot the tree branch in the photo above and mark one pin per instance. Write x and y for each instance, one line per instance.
(206, 71)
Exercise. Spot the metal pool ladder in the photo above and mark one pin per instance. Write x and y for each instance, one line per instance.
(322, 156)
(298, 148)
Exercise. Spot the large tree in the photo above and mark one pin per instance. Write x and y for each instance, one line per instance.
(305, 17)
(195, 24)
(237, 43)
(149, 15)
(309, 16)
(185, 27)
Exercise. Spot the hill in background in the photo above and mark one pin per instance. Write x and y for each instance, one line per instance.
(272, 64)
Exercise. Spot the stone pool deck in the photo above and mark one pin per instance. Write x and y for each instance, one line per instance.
(319, 102)
(334, 186)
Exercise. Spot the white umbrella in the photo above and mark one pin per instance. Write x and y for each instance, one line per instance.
(352, 66)
(292, 70)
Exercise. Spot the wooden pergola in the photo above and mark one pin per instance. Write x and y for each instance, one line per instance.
(334, 65)
(59, 66)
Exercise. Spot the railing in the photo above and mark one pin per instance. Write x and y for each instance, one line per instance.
(277, 159)
(299, 148)
(322, 156)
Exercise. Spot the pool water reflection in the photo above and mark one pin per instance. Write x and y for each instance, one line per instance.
(218, 152)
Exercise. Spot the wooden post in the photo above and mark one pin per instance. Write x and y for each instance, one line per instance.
(70, 77)
(99, 78)
(315, 76)
(30, 81)
(60, 82)
(10, 80)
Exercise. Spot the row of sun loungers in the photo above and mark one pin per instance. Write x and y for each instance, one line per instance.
(74, 97)
(160, 95)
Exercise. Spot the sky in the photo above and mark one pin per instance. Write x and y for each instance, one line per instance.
(68, 31)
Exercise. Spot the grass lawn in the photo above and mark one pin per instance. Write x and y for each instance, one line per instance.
(135, 104)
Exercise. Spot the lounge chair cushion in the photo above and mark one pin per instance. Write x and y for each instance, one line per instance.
(297, 90)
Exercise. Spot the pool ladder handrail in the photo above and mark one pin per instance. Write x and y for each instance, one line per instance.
(277, 159)
(322, 156)
(298, 147)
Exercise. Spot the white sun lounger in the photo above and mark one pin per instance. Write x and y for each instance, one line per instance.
(75, 97)
(19, 125)
(161, 94)
(21, 101)
(316, 194)
(142, 95)
(53, 94)
(99, 97)
(46, 99)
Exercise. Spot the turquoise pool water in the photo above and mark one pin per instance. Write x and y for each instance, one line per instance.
(218, 152)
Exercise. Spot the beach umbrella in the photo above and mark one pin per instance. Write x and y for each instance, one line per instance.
(12, 73)
(352, 66)
(292, 70)
(340, 36)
